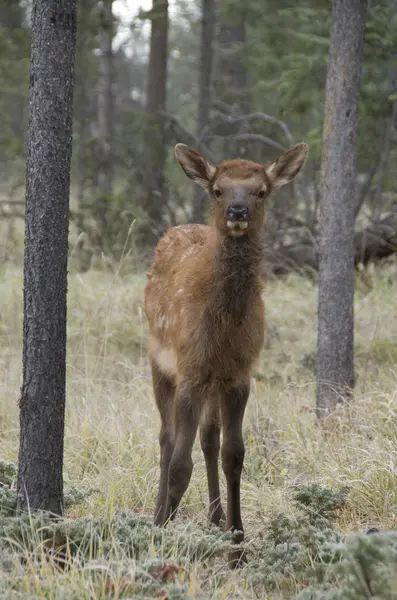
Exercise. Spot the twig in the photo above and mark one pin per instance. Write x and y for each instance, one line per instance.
(255, 137)
(193, 139)
(262, 117)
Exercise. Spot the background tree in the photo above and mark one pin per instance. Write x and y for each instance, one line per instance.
(105, 97)
(204, 90)
(155, 105)
(42, 403)
(270, 64)
(232, 73)
(335, 366)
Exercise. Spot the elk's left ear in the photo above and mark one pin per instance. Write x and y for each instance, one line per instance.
(287, 166)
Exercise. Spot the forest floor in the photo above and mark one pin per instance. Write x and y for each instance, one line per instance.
(306, 491)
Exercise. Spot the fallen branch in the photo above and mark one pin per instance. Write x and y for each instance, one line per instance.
(375, 242)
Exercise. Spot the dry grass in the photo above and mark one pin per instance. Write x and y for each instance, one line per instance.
(112, 425)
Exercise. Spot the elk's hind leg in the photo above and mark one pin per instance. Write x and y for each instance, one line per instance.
(164, 392)
(210, 430)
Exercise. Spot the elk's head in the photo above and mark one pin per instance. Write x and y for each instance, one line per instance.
(238, 188)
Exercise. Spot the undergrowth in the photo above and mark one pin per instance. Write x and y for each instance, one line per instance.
(309, 494)
(124, 554)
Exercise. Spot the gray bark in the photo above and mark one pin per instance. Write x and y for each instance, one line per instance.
(335, 368)
(42, 402)
(204, 102)
(155, 105)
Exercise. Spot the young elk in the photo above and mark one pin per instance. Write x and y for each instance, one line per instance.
(206, 319)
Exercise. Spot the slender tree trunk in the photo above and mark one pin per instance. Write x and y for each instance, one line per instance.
(204, 102)
(335, 367)
(390, 127)
(231, 82)
(232, 75)
(42, 403)
(81, 100)
(105, 97)
(156, 193)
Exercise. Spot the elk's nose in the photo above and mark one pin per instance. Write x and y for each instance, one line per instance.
(237, 212)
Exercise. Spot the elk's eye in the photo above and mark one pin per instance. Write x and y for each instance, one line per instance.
(218, 193)
(261, 194)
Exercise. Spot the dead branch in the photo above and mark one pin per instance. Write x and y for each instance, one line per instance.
(187, 136)
(375, 242)
(254, 137)
(261, 117)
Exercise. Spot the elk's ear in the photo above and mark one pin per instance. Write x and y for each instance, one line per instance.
(194, 164)
(287, 166)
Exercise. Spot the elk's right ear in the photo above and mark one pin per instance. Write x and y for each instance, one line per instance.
(194, 164)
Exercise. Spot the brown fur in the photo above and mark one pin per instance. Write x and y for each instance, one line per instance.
(206, 318)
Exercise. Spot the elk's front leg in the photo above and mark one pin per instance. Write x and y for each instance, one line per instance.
(209, 437)
(233, 405)
(187, 406)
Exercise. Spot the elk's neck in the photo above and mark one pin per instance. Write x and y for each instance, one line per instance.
(238, 270)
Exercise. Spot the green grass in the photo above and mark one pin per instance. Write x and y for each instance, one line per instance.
(111, 449)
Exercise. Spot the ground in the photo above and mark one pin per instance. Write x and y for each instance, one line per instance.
(111, 447)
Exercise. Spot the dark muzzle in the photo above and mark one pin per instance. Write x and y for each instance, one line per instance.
(237, 212)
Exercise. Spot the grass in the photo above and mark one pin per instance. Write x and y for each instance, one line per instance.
(111, 448)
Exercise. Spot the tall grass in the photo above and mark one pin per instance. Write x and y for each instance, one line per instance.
(112, 428)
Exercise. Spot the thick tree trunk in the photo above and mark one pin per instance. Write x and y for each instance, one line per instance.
(204, 101)
(155, 105)
(42, 403)
(105, 98)
(335, 369)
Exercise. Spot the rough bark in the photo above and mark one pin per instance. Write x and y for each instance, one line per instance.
(155, 106)
(105, 98)
(204, 102)
(42, 402)
(335, 369)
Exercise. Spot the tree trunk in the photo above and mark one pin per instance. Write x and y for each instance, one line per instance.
(390, 128)
(11, 15)
(204, 101)
(232, 76)
(81, 104)
(335, 368)
(232, 96)
(155, 105)
(42, 403)
(105, 98)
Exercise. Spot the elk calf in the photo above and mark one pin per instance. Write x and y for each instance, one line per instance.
(206, 319)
